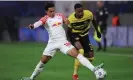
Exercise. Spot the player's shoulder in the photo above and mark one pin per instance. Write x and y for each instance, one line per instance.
(45, 17)
(87, 12)
(71, 16)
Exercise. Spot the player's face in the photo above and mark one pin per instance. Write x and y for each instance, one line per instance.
(51, 12)
(79, 12)
(100, 4)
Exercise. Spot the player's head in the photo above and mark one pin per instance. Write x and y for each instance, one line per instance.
(78, 10)
(50, 9)
(100, 4)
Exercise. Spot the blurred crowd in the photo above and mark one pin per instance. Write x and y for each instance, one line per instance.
(13, 10)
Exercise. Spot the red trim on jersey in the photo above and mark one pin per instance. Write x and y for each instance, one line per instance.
(44, 19)
(60, 14)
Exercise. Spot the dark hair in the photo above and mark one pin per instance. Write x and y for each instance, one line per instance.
(78, 5)
(49, 5)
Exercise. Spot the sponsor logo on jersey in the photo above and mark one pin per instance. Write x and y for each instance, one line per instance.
(56, 24)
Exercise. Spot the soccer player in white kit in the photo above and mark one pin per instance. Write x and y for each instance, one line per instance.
(57, 41)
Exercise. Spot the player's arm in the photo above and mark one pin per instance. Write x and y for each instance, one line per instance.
(69, 29)
(35, 25)
(96, 27)
(42, 21)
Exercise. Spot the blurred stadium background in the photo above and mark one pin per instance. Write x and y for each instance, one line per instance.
(21, 48)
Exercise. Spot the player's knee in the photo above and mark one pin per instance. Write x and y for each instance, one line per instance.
(73, 52)
(81, 51)
(44, 62)
(45, 59)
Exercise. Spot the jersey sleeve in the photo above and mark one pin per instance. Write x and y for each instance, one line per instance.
(44, 19)
(62, 16)
(89, 14)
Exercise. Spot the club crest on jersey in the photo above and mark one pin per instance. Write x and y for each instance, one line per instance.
(56, 24)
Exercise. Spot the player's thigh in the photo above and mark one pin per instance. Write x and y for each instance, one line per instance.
(88, 50)
(73, 53)
(85, 43)
(76, 42)
(66, 47)
(50, 50)
(78, 45)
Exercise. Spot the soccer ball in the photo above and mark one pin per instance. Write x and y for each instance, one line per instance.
(100, 74)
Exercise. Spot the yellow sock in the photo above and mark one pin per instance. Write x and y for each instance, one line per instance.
(77, 63)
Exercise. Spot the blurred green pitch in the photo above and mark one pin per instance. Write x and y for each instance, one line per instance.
(18, 60)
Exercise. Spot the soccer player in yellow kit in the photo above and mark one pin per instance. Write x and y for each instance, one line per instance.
(77, 33)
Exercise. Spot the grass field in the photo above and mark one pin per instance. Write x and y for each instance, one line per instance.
(18, 60)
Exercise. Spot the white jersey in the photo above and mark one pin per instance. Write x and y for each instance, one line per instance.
(54, 26)
(57, 35)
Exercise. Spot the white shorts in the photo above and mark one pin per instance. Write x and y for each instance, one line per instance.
(52, 47)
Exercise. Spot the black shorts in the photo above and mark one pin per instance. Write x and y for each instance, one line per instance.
(85, 42)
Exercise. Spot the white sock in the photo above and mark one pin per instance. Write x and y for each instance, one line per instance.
(37, 70)
(85, 62)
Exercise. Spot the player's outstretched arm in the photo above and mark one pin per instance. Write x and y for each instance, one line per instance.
(95, 24)
(35, 25)
(96, 27)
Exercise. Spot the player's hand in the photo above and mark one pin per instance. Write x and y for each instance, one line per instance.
(98, 34)
(31, 26)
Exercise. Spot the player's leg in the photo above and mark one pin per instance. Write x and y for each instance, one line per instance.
(76, 62)
(99, 46)
(40, 66)
(47, 55)
(73, 52)
(88, 50)
(69, 49)
(75, 40)
(104, 38)
(85, 62)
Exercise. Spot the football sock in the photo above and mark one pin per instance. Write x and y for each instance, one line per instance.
(85, 62)
(37, 70)
(77, 63)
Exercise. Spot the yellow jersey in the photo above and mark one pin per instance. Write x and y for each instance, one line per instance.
(82, 25)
